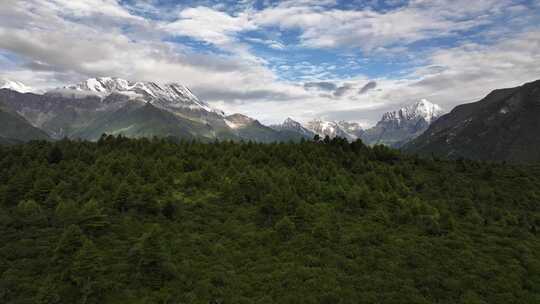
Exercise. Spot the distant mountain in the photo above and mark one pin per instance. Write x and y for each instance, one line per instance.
(504, 126)
(394, 129)
(347, 130)
(144, 120)
(14, 128)
(173, 97)
(134, 109)
(398, 127)
(15, 86)
(250, 129)
(59, 116)
(291, 126)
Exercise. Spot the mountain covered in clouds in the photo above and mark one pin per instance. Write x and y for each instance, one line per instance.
(503, 126)
(107, 105)
(174, 97)
(15, 86)
(398, 127)
(135, 109)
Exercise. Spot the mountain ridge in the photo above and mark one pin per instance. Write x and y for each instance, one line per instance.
(116, 106)
(503, 126)
(400, 126)
(15, 86)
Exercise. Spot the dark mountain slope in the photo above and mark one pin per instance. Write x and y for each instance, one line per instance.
(58, 116)
(14, 128)
(504, 126)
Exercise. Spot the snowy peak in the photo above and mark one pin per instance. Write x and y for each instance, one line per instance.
(350, 127)
(169, 95)
(292, 125)
(331, 129)
(237, 121)
(15, 86)
(422, 109)
(425, 109)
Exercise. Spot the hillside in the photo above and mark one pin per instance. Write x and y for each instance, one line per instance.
(504, 126)
(144, 120)
(152, 221)
(133, 109)
(14, 128)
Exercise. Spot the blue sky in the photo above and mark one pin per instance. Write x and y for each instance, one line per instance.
(274, 59)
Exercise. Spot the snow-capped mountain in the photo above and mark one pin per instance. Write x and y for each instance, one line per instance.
(117, 106)
(352, 128)
(15, 86)
(238, 121)
(394, 129)
(398, 127)
(170, 96)
(349, 131)
(292, 125)
(422, 109)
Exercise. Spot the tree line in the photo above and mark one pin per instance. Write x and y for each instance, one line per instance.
(321, 221)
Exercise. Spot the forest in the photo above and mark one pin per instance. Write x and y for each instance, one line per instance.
(320, 221)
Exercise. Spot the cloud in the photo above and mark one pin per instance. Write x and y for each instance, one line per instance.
(321, 85)
(369, 30)
(81, 50)
(209, 25)
(268, 42)
(367, 87)
(344, 89)
(466, 73)
(57, 42)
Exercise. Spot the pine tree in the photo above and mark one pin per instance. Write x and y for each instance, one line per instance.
(55, 155)
(87, 272)
(92, 218)
(151, 262)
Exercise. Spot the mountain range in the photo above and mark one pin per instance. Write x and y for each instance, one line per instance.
(108, 105)
(394, 129)
(503, 126)
(134, 109)
(15, 86)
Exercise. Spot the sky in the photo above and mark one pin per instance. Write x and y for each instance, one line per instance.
(329, 59)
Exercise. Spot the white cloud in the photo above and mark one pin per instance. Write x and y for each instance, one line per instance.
(110, 8)
(369, 30)
(209, 25)
(59, 41)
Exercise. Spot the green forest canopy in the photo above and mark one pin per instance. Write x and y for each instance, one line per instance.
(153, 221)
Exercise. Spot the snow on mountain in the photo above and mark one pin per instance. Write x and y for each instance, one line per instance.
(421, 109)
(15, 86)
(292, 125)
(398, 127)
(169, 95)
(237, 121)
(333, 129)
(351, 127)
